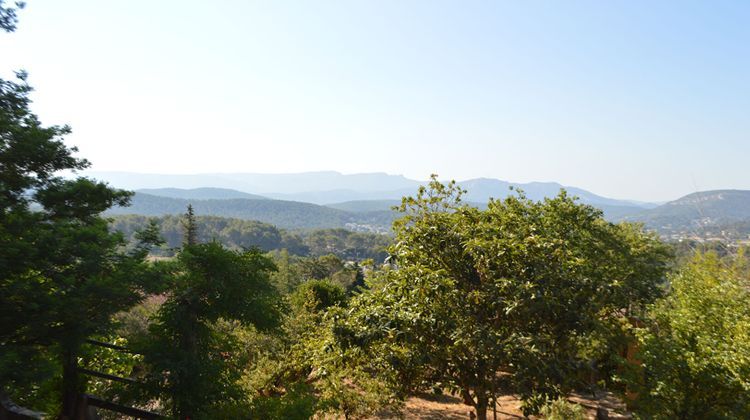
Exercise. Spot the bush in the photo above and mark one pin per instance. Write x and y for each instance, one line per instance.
(318, 295)
(297, 404)
(561, 409)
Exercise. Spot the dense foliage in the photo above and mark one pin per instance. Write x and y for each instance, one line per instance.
(695, 349)
(488, 302)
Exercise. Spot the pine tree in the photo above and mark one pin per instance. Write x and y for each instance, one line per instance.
(193, 368)
(61, 274)
(191, 227)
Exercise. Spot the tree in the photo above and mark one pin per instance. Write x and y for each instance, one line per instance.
(190, 227)
(695, 348)
(192, 365)
(62, 275)
(8, 15)
(319, 295)
(286, 277)
(483, 302)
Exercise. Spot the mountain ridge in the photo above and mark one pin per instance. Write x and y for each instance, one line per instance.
(204, 193)
(325, 187)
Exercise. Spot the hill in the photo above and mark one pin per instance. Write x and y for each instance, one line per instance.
(359, 206)
(284, 214)
(693, 213)
(481, 189)
(342, 195)
(200, 193)
(615, 213)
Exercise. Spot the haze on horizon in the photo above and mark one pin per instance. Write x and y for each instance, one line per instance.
(637, 100)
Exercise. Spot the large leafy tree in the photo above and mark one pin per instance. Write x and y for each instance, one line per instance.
(62, 275)
(696, 346)
(493, 301)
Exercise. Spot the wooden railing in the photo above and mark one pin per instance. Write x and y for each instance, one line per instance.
(84, 401)
(10, 411)
(80, 404)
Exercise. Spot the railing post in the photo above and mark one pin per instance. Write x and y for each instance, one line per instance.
(82, 407)
(69, 385)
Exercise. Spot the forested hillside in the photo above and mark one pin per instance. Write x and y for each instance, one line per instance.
(699, 214)
(243, 234)
(285, 214)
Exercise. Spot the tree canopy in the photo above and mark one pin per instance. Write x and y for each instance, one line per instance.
(490, 301)
(62, 272)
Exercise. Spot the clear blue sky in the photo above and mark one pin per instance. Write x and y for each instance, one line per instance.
(645, 100)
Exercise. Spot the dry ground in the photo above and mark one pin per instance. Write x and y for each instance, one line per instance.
(429, 407)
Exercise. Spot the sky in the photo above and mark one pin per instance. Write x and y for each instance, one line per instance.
(641, 100)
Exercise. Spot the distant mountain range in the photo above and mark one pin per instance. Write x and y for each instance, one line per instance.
(333, 187)
(364, 201)
(287, 186)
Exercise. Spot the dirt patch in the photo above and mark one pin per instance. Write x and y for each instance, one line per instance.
(430, 406)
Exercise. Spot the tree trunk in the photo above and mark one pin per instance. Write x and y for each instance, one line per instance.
(189, 346)
(69, 384)
(468, 400)
(481, 407)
